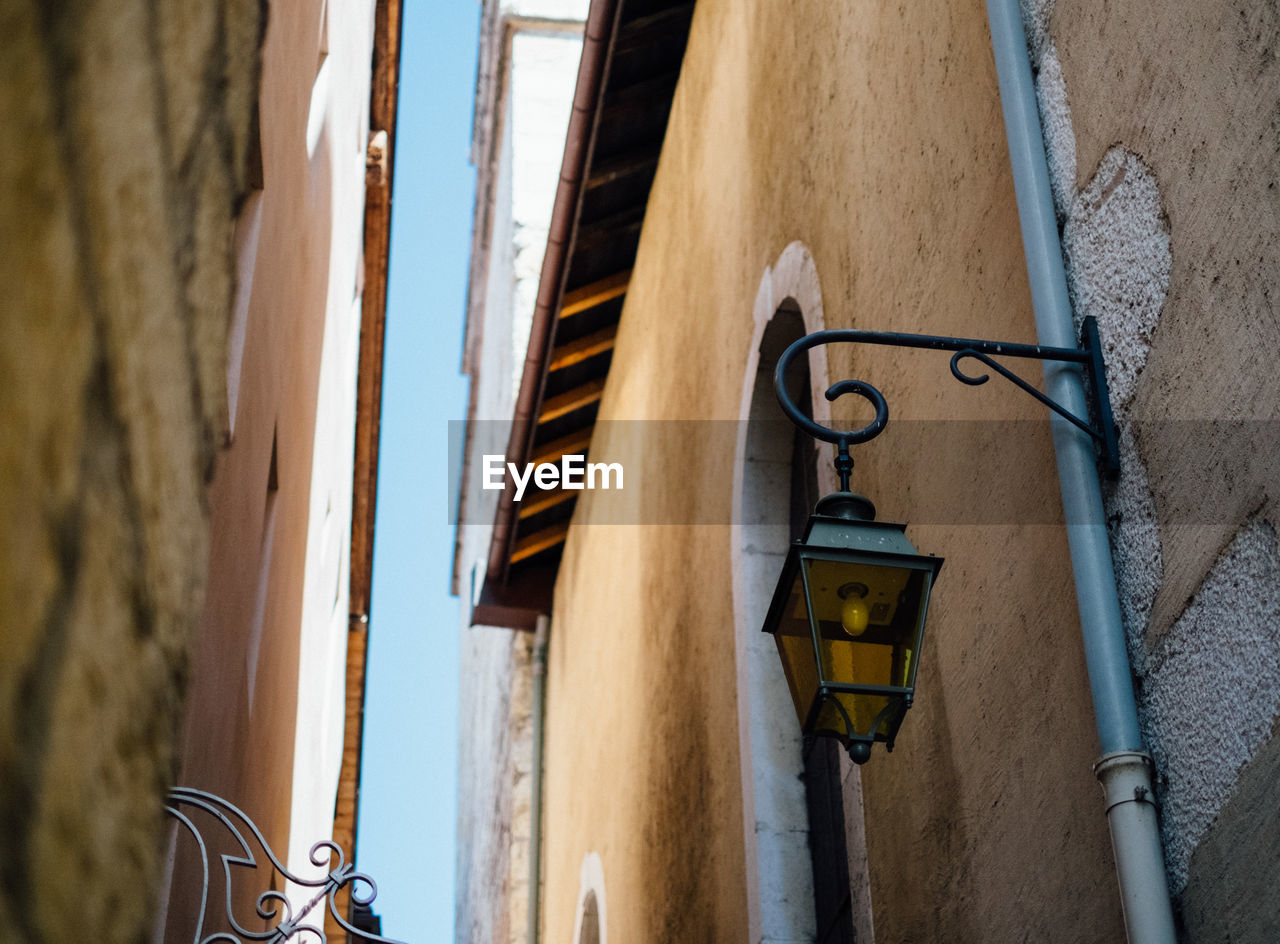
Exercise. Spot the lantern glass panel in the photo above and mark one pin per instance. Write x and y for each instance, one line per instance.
(868, 618)
(795, 646)
(863, 710)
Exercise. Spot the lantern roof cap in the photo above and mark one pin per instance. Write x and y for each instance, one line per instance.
(848, 505)
(845, 521)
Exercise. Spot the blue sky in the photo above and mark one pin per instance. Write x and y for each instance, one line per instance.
(409, 774)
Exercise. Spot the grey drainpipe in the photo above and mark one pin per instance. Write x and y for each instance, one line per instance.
(541, 634)
(1124, 767)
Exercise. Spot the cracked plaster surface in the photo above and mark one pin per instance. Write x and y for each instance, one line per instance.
(1209, 688)
(1212, 691)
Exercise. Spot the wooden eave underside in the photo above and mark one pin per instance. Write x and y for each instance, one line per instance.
(641, 71)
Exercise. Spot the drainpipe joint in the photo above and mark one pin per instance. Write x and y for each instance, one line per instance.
(1125, 777)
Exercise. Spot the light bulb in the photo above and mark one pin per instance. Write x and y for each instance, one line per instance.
(854, 615)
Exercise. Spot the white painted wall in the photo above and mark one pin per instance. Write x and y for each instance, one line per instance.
(339, 117)
(544, 71)
(494, 757)
(591, 883)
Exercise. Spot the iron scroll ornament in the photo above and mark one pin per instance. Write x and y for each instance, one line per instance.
(243, 838)
(1088, 356)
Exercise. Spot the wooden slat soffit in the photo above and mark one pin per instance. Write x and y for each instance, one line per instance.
(623, 115)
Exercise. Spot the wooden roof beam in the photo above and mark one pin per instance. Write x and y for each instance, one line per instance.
(626, 166)
(545, 501)
(672, 20)
(571, 400)
(597, 293)
(575, 443)
(610, 229)
(574, 352)
(540, 541)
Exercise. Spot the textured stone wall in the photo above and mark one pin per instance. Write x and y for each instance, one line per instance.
(495, 786)
(129, 140)
(1164, 139)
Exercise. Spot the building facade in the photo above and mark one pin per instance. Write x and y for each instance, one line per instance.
(736, 177)
(195, 217)
(528, 63)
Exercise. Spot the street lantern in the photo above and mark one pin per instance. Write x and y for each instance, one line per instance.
(849, 610)
(848, 618)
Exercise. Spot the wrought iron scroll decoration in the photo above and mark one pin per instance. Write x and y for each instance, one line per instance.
(242, 835)
(1088, 356)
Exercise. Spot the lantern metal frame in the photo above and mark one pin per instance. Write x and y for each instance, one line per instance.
(884, 726)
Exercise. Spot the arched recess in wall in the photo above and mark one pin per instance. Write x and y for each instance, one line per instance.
(775, 479)
(589, 925)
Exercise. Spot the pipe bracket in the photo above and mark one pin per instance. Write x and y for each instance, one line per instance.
(1125, 777)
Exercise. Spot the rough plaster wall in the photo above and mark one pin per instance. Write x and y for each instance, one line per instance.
(1116, 244)
(493, 785)
(1213, 690)
(128, 124)
(520, 782)
(1035, 23)
(1157, 258)
(1190, 88)
(1234, 899)
(1055, 119)
(1117, 252)
(495, 738)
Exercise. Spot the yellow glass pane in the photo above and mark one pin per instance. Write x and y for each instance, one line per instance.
(802, 672)
(884, 586)
(795, 647)
(863, 710)
(880, 651)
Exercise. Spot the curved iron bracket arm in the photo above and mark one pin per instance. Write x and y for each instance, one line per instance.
(1088, 355)
(230, 845)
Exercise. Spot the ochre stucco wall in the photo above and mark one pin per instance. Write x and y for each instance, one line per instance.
(874, 136)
